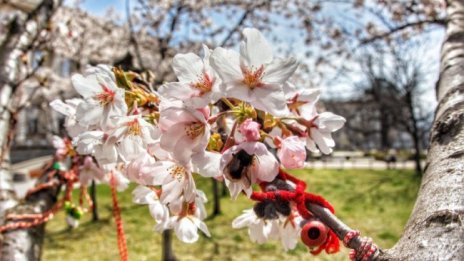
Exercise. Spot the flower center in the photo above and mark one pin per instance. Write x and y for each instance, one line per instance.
(155, 190)
(177, 172)
(294, 104)
(133, 128)
(188, 209)
(204, 84)
(69, 148)
(106, 96)
(194, 129)
(252, 78)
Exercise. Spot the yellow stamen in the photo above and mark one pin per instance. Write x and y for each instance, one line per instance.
(252, 78)
(134, 128)
(195, 129)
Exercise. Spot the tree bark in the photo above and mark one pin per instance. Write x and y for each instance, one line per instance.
(435, 230)
(22, 32)
(26, 244)
(93, 196)
(216, 198)
(167, 251)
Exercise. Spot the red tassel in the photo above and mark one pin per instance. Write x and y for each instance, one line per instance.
(122, 245)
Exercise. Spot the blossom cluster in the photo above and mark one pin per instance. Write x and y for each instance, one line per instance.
(233, 116)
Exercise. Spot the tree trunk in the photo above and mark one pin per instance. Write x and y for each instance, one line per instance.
(93, 196)
(435, 230)
(216, 198)
(26, 244)
(168, 253)
(414, 131)
(22, 31)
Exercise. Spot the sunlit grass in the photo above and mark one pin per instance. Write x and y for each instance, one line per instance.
(375, 202)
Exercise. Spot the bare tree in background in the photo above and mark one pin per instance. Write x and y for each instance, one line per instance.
(394, 82)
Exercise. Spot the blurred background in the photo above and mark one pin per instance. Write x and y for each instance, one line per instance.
(376, 63)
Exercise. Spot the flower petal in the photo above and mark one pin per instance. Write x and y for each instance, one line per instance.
(254, 48)
(227, 65)
(187, 67)
(279, 71)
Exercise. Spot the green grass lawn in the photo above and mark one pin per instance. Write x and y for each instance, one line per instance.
(375, 202)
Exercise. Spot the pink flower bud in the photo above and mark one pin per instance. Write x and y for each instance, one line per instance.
(250, 130)
(292, 153)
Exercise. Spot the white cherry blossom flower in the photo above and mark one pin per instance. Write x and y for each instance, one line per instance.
(207, 164)
(68, 108)
(303, 102)
(320, 129)
(102, 98)
(289, 231)
(96, 143)
(260, 230)
(184, 131)
(175, 180)
(116, 170)
(187, 222)
(133, 135)
(139, 170)
(150, 196)
(245, 164)
(254, 75)
(198, 83)
(63, 146)
(89, 171)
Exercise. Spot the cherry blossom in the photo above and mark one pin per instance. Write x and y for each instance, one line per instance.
(320, 129)
(102, 98)
(96, 143)
(250, 130)
(184, 131)
(90, 171)
(245, 164)
(133, 135)
(190, 218)
(150, 196)
(303, 102)
(254, 75)
(259, 230)
(68, 108)
(63, 147)
(198, 83)
(175, 180)
(217, 121)
(292, 152)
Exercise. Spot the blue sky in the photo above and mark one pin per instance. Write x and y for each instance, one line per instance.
(99, 7)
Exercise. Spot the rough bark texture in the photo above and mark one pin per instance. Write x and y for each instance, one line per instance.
(23, 30)
(435, 230)
(26, 244)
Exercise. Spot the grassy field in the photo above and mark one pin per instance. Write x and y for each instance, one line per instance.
(375, 202)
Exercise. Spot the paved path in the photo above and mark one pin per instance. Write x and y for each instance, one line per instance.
(360, 163)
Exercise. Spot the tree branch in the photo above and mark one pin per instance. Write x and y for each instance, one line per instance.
(394, 30)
